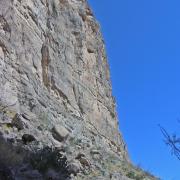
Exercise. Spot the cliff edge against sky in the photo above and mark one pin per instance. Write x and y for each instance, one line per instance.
(57, 112)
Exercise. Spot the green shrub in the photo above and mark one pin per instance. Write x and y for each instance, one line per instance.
(134, 176)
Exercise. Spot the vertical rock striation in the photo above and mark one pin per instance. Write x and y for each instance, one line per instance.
(57, 112)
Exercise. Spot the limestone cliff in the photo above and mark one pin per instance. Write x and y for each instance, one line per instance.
(57, 112)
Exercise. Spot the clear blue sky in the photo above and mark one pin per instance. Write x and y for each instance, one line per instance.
(143, 45)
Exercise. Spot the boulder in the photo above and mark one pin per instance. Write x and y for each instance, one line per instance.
(28, 138)
(85, 162)
(74, 167)
(60, 133)
(19, 122)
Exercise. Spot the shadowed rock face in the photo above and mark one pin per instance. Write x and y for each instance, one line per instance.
(57, 113)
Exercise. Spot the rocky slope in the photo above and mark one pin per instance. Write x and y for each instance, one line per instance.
(57, 113)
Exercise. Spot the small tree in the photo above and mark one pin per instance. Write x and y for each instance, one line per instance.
(173, 141)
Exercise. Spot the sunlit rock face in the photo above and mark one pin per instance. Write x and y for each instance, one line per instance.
(57, 113)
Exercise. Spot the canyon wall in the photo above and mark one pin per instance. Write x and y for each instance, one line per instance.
(57, 114)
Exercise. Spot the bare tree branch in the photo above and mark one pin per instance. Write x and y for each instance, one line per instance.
(173, 141)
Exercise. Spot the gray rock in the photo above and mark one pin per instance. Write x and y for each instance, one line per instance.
(74, 167)
(28, 138)
(60, 133)
(19, 122)
(94, 151)
(85, 162)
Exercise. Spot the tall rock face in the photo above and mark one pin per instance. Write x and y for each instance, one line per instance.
(57, 112)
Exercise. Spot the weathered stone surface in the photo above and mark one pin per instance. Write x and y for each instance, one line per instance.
(19, 122)
(74, 167)
(60, 133)
(54, 70)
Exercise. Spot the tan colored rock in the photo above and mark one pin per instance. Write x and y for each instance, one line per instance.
(60, 133)
(54, 70)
